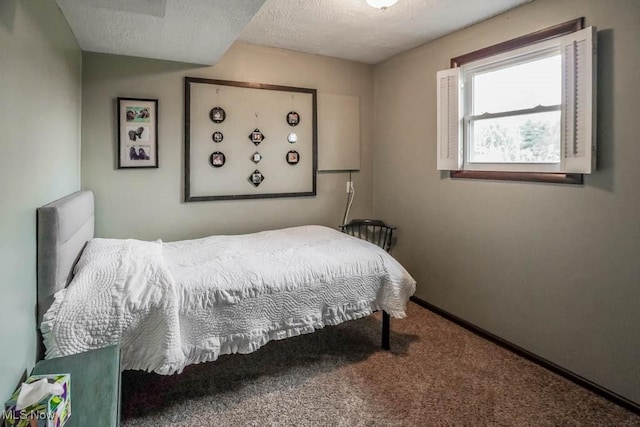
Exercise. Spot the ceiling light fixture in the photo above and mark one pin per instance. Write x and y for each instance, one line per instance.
(381, 4)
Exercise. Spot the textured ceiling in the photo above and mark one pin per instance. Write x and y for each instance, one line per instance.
(194, 31)
(200, 31)
(350, 29)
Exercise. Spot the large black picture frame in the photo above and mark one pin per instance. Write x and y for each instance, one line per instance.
(190, 84)
(137, 133)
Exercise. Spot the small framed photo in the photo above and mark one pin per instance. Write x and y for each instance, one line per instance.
(292, 138)
(293, 157)
(256, 136)
(217, 159)
(217, 114)
(256, 178)
(217, 136)
(293, 118)
(137, 133)
(256, 157)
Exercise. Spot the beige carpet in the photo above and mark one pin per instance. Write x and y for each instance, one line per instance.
(436, 374)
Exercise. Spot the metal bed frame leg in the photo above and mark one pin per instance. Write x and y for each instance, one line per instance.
(386, 322)
(379, 233)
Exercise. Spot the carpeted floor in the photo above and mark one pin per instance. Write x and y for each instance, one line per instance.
(436, 374)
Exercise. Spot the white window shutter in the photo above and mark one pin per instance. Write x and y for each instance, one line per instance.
(579, 101)
(449, 126)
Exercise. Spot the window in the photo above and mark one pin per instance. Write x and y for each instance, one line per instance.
(524, 109)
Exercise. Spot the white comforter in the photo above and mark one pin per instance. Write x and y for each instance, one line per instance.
(173, 304)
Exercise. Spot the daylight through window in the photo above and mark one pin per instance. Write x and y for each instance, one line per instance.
(515, 113)
(529, 109)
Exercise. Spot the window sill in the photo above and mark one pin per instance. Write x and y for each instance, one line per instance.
(554, 178)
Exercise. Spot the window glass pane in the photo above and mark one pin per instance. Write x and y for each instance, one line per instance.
(516, 87)
(528, 138)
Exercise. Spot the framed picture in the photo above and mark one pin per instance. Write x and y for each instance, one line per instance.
(217, 114)
(262, 122)
(293, 157)
(137, 133)
(293, 118)
(217, 136)
(217, 159)
(256, 178)
(256, 137)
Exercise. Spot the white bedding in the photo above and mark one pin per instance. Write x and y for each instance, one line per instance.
(174, 304)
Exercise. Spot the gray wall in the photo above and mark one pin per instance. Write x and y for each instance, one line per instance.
(40, 65)
(147, 204)
(551, 268)
(554, 269)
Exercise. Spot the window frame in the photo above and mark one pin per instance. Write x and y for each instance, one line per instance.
(501, 48)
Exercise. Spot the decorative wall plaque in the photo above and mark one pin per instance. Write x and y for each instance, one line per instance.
(292, 137)
(256, 157)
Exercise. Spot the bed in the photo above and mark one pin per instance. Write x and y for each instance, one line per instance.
(173, 304)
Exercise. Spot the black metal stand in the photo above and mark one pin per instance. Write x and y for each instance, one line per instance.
(386, 323)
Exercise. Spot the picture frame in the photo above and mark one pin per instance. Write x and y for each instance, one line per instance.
(137, 133)
(293, 157)
(256, 178)
(217, 159)
(217, 115)
(217, 136)
(256, 137)
(293, 118)
(255, 117)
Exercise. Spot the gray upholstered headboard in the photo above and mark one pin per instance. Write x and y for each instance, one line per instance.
(64, 227)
